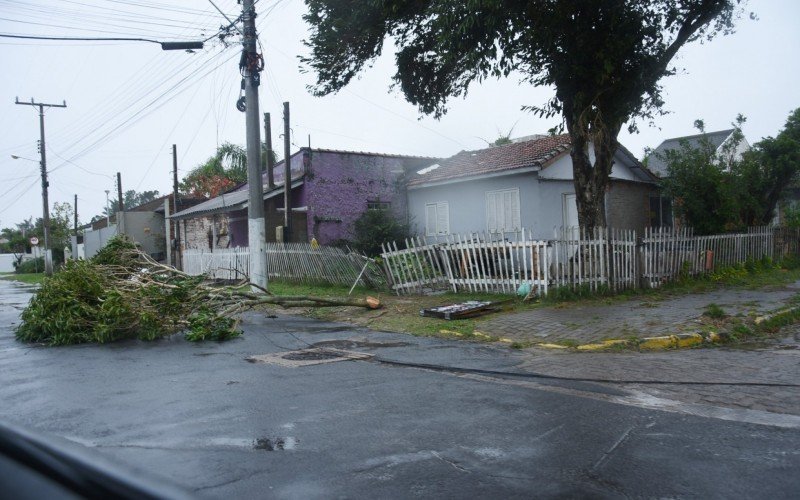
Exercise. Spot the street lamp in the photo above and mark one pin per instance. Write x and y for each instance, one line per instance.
(15, 157)
(108, 213)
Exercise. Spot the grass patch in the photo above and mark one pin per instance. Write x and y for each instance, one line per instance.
(714, 311)
(29, 278)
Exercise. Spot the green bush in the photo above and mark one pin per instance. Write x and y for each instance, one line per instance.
(375, 227)
(30, 266)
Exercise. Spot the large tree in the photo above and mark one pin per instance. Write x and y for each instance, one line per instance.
(605, 59)
(773, 165)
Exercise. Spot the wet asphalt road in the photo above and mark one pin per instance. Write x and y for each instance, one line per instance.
(202, 416)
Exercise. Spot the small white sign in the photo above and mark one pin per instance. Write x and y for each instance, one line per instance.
(34, 240)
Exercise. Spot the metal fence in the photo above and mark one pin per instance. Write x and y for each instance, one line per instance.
(601, 259)
(293, 262)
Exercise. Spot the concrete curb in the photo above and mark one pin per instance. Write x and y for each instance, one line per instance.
(676, 341)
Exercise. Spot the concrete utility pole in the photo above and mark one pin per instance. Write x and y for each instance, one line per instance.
(121, 206)
(287, 175)
(108, 212)
(177, 225)
(270, 155)
(250, 66)
(48, 252)
(75, 217)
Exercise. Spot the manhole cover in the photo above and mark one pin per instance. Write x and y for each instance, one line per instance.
(305, 357)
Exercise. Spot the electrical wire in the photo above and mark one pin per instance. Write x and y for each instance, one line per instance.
(78, 39)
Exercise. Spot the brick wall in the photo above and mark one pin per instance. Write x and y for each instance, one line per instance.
(198, 232)
(628, 205)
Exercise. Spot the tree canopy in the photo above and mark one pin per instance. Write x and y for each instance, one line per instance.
(716, 191)
(131, 199)
(605, 59)
(226, 168)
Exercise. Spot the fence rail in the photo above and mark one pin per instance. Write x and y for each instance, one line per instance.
(293, 262)
(601, 259)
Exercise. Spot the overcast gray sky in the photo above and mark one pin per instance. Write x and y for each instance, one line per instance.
(129, 102)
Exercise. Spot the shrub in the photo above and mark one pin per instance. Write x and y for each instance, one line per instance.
(30, 266)
(375, 227)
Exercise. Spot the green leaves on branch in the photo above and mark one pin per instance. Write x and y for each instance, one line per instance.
(120, 294)
(718, 191)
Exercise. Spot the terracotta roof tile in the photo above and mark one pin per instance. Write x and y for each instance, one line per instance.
(532, 153)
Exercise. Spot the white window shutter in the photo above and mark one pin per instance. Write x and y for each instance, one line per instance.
(491, 211)
(443, 217)
(430, 219)
(515, 212)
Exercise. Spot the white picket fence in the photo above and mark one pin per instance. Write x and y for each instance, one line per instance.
(669, 254)
(221, 264)
(477, 262)
(603, 259)
(293, 262)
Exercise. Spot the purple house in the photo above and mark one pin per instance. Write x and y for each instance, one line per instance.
(330, 189)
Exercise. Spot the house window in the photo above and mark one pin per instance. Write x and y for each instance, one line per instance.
(660, 211)
(437, 218)
(378, 205)
(502, 211)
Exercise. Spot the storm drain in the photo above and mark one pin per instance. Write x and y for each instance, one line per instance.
(306, 357)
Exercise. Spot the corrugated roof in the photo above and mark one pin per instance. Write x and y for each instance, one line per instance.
(658, 166)
(532, 153)
(228, 202)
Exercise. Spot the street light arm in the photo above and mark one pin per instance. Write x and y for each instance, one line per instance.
(164, 45)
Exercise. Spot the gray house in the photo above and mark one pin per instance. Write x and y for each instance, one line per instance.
(722, 141)
(724, 144)
(526, 184)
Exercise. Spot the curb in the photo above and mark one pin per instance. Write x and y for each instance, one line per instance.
(676, 341)
(680, 340)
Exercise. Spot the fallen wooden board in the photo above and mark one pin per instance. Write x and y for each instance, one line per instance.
(464, 310)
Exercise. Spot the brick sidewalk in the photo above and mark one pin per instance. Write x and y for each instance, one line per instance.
(637, 317)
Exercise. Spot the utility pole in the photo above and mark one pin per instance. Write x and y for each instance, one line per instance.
(120, 206)
(48, 253)
(250, 65)
(177, 225)
(287, 174)
(75, 217)
(270, 154)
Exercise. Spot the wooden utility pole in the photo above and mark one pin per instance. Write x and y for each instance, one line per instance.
(270, 155)
(75, 216)
(48, 252)
(287, 175)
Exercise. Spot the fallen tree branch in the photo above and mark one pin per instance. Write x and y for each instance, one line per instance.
(123, 293)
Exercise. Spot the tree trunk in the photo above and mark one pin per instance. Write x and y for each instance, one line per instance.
(591, 180)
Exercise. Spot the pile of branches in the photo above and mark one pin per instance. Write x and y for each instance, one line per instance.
(123, 293)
